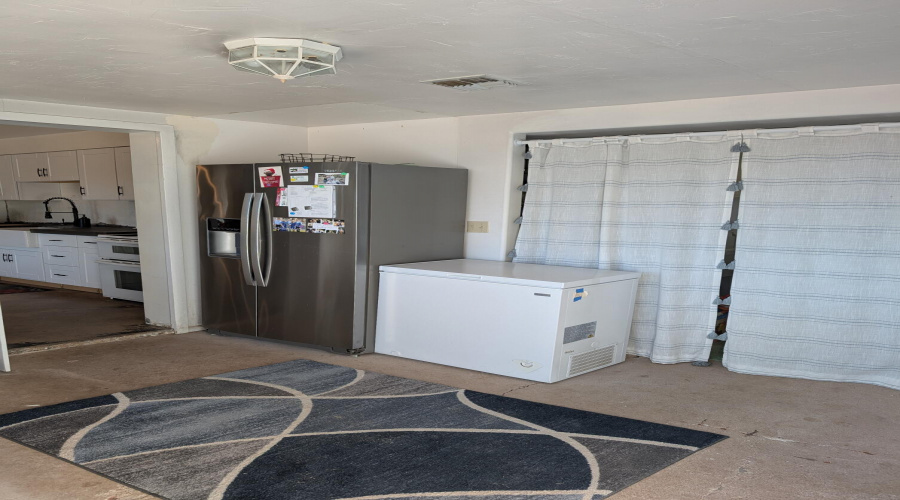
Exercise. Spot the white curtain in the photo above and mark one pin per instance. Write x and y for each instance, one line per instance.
(656, 206)
(816, 290)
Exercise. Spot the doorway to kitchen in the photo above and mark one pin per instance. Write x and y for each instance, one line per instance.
(70, 269)
(156, 217)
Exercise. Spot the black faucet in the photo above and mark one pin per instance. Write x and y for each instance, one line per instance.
(48, 214)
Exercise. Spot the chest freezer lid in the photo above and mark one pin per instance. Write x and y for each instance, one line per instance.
(511, 273)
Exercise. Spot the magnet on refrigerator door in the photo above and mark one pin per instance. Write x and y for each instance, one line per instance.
(333, 179)
(270, 177)
(298, 170)
(289, 224)
(325, 226)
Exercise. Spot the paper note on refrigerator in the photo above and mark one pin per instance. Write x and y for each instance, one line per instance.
(311, 201)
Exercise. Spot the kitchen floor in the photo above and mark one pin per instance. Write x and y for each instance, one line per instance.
(44, 319)
(789, 438)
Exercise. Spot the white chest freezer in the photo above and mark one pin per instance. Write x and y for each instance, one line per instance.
(542, 323)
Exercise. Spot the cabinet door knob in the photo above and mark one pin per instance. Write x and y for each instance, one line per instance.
(82, 190)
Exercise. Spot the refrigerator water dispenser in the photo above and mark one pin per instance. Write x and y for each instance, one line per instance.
(222, 236)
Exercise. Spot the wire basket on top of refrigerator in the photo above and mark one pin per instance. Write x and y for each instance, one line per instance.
(312, 157)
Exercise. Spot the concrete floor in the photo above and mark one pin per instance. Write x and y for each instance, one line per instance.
(40, 319)
(789, 439)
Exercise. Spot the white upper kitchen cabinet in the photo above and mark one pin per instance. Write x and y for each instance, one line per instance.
(63, 166)
(32, 167)
(97, 173)
(8, 188)
(56, 166)
(123, 173)
(38, 190)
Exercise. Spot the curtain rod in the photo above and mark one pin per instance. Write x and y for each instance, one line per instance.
(823, 128)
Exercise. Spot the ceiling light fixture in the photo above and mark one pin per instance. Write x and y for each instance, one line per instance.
(283, 58)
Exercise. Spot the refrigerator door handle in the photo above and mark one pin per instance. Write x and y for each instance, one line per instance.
(256, 240)
(264, 204)
(246, 237)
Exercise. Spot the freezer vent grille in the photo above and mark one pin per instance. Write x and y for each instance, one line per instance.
(475, 82)
(591, 360)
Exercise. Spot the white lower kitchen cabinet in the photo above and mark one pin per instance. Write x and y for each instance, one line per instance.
(62, 275)
(21, 264)
(88, 269)
(60, 256)
(7, 263)
(29, 265)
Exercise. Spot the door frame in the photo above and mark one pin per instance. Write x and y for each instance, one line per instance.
(154, 165)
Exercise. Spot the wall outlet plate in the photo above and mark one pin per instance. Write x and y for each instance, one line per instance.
(477, 226)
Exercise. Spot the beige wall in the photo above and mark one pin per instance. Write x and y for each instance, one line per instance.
(484, 144)
(209, 141)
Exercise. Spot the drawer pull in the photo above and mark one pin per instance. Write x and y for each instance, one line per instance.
(55, 240)
(63, 275)
(58, 256)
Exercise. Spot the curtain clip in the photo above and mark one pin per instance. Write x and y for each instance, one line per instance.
(736, 186)
(740, 147)
(512, 254)
(722, 302)
(723, 265)
(523, 188)
(728, 226)
(527, 155)
(518, 220)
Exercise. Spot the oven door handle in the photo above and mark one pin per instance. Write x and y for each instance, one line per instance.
(246, 236)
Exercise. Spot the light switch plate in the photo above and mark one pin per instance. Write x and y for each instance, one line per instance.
(477, 226)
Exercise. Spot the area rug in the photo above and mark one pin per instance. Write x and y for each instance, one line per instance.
(10, 288)
(307, 430)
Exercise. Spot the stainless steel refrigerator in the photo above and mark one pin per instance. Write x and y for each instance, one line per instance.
(314, 280)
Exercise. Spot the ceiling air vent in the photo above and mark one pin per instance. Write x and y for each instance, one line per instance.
(476, 82)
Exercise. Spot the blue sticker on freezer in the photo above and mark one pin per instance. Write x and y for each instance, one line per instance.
(579, 294)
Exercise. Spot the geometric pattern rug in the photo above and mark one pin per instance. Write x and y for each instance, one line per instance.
(308, 430)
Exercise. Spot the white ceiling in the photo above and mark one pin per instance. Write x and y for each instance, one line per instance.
(167, 56)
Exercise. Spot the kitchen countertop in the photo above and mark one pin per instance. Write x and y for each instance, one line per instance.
(90, 231)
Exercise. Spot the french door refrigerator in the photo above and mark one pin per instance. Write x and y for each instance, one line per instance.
(284, 258)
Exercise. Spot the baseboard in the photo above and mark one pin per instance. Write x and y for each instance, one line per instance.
(42, 284)
(82, 288)
(45, 284)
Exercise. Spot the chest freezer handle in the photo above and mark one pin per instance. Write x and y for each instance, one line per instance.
(464, 276)
(245, 249)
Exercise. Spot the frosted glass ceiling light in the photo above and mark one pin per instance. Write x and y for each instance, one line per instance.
(283, 58)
